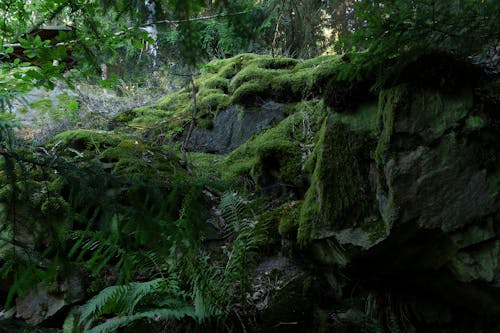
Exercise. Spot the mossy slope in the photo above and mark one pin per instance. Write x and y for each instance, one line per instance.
(245, 79)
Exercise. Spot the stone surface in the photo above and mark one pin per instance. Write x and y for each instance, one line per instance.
(234, 126)
(43, 302)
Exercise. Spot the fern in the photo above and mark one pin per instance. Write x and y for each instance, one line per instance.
(129, 303)
(111, 325)
(243, 249)
(96, 306)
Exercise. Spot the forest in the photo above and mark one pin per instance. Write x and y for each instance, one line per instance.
(249, 166)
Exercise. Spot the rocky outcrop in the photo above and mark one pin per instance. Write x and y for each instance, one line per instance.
(413, 196)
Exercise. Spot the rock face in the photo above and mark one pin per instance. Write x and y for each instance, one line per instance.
(42, 304)
(411, 201)
(234, 126)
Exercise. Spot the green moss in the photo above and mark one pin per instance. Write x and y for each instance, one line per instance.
(272, 156)
(389, 101)
(85, 140)
(65, 107)
(289, 221)
(281, 79)
(337, 194)
(249, 93)
(176, 101)
(42, 105)
(213, 82)
(244, 79)
(206, 165)
(375, 228)
(275, 156)
(147, 117)
(475, 122)
(364, 118)
(206, 124)
(135, 159)
(67, 102)
(213, 103)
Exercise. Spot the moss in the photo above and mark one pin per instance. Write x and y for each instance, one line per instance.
(206, 124)
(213, 103)
(206, 165)
(85, 140)
(244, 79)
(375, 228)
(175, 100)
(289, 221)
(135, 159)
(65, 106)
(337, 195)
(67, 102)
(148, 117)
(280, 80)
(214, 82)
(43, 105)
(272, 158)
(363, 119)
(389, 101)
(432, 112)
(249, 93)
(475, 122)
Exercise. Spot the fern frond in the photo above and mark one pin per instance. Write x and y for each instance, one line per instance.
(231, 207)
(108, 297)
(139, 290)
(111, 325)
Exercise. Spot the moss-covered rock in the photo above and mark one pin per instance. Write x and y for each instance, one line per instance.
(273, 160)
(246, 79)
(339, 194)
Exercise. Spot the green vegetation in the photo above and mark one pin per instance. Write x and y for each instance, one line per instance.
(369, 170)
(274, 158)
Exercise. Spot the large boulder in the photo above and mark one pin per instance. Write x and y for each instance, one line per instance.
(410, 202)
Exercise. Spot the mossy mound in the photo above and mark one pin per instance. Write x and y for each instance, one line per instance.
(122, 155)
(245, 79)
(84, 140)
